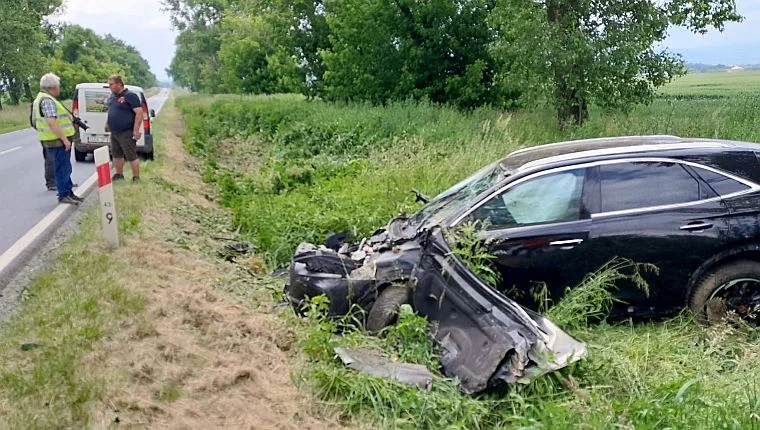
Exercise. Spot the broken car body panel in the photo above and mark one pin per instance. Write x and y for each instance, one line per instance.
(485, 337)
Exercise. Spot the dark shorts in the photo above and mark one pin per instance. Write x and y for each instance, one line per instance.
(123, 146)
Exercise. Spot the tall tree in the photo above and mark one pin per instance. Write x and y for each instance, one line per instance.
(434, 49)
(577, 52)
(21, 39)
(253, 57)
(81, 55)
(196, 61)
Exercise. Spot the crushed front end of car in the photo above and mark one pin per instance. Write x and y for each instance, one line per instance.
(485, 338)
(355, 273)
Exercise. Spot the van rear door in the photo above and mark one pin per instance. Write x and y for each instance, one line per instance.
(93, 109)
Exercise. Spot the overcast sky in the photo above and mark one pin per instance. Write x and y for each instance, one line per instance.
(142, 24)
(139, 23)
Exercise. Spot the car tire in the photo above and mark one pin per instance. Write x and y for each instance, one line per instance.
(385, 310)
(705, 304)
(79, 155)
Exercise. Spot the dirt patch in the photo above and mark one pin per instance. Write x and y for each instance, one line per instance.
(196, 358)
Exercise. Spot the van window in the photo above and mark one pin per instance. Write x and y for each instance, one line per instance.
(96, 100)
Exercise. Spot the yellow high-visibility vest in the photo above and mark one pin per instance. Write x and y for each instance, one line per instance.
(63, 119)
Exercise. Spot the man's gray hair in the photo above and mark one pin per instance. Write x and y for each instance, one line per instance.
(49, 81)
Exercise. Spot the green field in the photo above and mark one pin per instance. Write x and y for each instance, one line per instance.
(16, 117)
(719, 84)
(292, 170)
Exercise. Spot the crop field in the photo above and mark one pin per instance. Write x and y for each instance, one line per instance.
(293, 170)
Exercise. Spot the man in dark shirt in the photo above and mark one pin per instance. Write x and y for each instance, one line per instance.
(125, 116)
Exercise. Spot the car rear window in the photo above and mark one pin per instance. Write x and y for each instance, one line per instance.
(96, 100)
(638, 185)
(722, 184)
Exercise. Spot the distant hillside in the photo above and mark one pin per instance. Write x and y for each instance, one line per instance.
(704, 68)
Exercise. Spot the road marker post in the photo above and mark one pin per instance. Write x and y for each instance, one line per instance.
(107, 203)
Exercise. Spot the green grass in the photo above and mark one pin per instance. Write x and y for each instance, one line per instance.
(66, 311)
(673, 374)
(63, 315)
(716, 84)
(292, 170)
(16, 117)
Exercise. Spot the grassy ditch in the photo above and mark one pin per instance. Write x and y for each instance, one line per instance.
(291, 170)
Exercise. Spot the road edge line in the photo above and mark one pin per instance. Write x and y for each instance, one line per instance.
(12, 254)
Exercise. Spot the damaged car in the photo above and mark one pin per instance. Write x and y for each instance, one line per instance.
(554, 213)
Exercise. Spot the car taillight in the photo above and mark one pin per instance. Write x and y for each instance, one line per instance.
(75, 106)
(146, 120)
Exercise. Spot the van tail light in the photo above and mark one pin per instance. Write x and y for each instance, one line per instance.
(75, 107)
(146, 119)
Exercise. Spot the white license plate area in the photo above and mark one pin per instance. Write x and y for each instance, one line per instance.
(98, 138)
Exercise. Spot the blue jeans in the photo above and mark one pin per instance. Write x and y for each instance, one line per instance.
(62, 166)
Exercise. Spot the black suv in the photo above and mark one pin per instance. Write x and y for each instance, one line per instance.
(556, 212)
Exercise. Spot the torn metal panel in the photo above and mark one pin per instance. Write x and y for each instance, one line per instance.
(373, 363)
(485, 337)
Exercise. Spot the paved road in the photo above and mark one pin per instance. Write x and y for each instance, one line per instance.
(24, 199)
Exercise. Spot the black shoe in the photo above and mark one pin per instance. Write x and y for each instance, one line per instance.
(76, 197)
(69, 200)
(117, 177)
(135, 179)
(52, 188)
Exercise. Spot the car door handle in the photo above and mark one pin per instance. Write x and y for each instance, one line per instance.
(569, 243)
(696, 226)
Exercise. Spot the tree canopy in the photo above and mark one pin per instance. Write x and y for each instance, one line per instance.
(30, 47)
(469, 53)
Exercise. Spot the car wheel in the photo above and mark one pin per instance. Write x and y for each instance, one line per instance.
(730, 287)
(79, 155)
(385, 310)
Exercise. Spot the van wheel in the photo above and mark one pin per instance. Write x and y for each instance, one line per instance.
(385, 310)
(79, 155)
(731, 287)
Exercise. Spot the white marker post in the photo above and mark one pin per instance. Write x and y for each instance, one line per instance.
(107, 203)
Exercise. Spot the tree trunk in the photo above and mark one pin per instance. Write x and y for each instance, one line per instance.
(28, 91)
(570, 103)
(14, 91)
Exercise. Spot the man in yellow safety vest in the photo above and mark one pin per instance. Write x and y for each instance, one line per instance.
(55, 130)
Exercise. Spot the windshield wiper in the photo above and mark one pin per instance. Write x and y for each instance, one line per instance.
(420, 197)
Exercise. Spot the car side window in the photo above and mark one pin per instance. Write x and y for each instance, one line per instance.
(548, 198)
(722, 184)
(647, 184)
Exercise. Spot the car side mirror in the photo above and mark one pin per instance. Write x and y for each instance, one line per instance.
(152, 113)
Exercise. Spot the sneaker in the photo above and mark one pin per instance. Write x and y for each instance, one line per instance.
(52, 188)
(117, 177)
(76, 197)
(135, 179)
(69, 200)
(74, 185)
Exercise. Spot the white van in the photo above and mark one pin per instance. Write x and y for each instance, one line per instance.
(91, 105)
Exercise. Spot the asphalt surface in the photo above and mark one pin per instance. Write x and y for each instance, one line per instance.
(24, 199)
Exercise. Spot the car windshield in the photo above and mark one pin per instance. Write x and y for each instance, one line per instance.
(460, 195)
